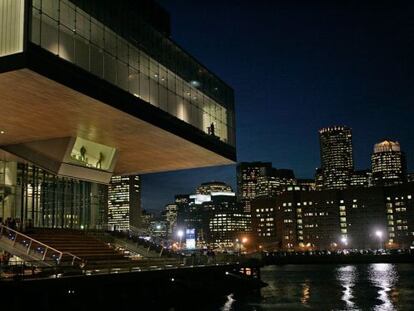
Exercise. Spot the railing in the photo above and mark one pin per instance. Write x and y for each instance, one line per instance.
(25, 245)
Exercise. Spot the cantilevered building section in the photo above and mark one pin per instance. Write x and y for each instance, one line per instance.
(388, 164)
(92, 89)
(336, 156)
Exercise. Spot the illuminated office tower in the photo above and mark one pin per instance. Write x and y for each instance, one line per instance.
(124, 206)
(336, 156)
(361, 178)
(388, 164)
(214, 186)
(170, 213)
(260, 179)
(249, 175)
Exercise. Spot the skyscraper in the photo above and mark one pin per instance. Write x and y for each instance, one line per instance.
(361, 178)
(214, 186)
(388, 164)
(336, 156)
(171, 218)
(124, 202)
(260, 179)
(249, 175)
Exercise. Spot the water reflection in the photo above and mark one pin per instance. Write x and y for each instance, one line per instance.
(305, 293)
(347, 277)
(229, 303)
(384, 277)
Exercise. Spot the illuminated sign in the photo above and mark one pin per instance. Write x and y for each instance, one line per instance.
(190, 241)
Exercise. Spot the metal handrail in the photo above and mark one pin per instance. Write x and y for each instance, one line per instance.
(31, 241)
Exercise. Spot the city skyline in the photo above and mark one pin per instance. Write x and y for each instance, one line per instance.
(227, 174)
(341, 64)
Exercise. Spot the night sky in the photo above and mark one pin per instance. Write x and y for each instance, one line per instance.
(297, 66)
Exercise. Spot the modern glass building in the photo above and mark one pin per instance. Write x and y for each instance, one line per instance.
(98, 88)
(388, 164)
(336, 156)
(124, 202)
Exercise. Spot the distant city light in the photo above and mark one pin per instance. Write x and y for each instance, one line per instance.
(378, 233)
(180, 233)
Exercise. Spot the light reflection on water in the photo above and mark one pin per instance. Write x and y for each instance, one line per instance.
(379, 287)
(347, 276)
(384, 277)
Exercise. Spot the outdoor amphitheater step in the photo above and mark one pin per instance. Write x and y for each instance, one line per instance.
(78, 243)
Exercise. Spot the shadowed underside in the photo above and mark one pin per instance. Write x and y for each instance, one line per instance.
(35, 108)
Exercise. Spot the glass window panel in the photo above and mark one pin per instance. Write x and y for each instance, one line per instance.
(172, 104)
(163, 97)
(51, 8)
(133, 81)
(133, 57)
(122, 50)
(97, 34)
(35, 35)
(109, 68)
(67, 15)
(49, 34)
(97, 61)
(144, 87)
(82, 52)
(37, 4)
(153, 92)
(154, 70)
(66, 44)
(122, 75)
(83, 25)
(143, 63)
(171, 81)
(110, 41)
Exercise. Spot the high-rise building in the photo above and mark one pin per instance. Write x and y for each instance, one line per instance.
(256, 179)
(103, 90)
(124, 202)
(170, 213)
(318, 179)
(361, 178)
(336, 156)
(214, 186)
(249, 174)
(275, 182)
(388, 164)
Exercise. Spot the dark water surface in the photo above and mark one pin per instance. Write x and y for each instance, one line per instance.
(379, 287)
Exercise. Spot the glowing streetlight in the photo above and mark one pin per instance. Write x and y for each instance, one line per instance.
(344, 240)
(244, 240)
(180, 234)
(379, 234)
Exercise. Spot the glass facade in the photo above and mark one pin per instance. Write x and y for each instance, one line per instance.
(166, 81)
(34, 197)
(336, 156)
(11, 26)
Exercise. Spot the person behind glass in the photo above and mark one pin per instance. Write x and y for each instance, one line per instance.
(211, 130)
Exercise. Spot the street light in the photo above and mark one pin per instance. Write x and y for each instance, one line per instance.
(344, 240)
(180, 234)
(378, 233)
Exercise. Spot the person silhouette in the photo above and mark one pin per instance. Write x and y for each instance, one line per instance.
(101, 158)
